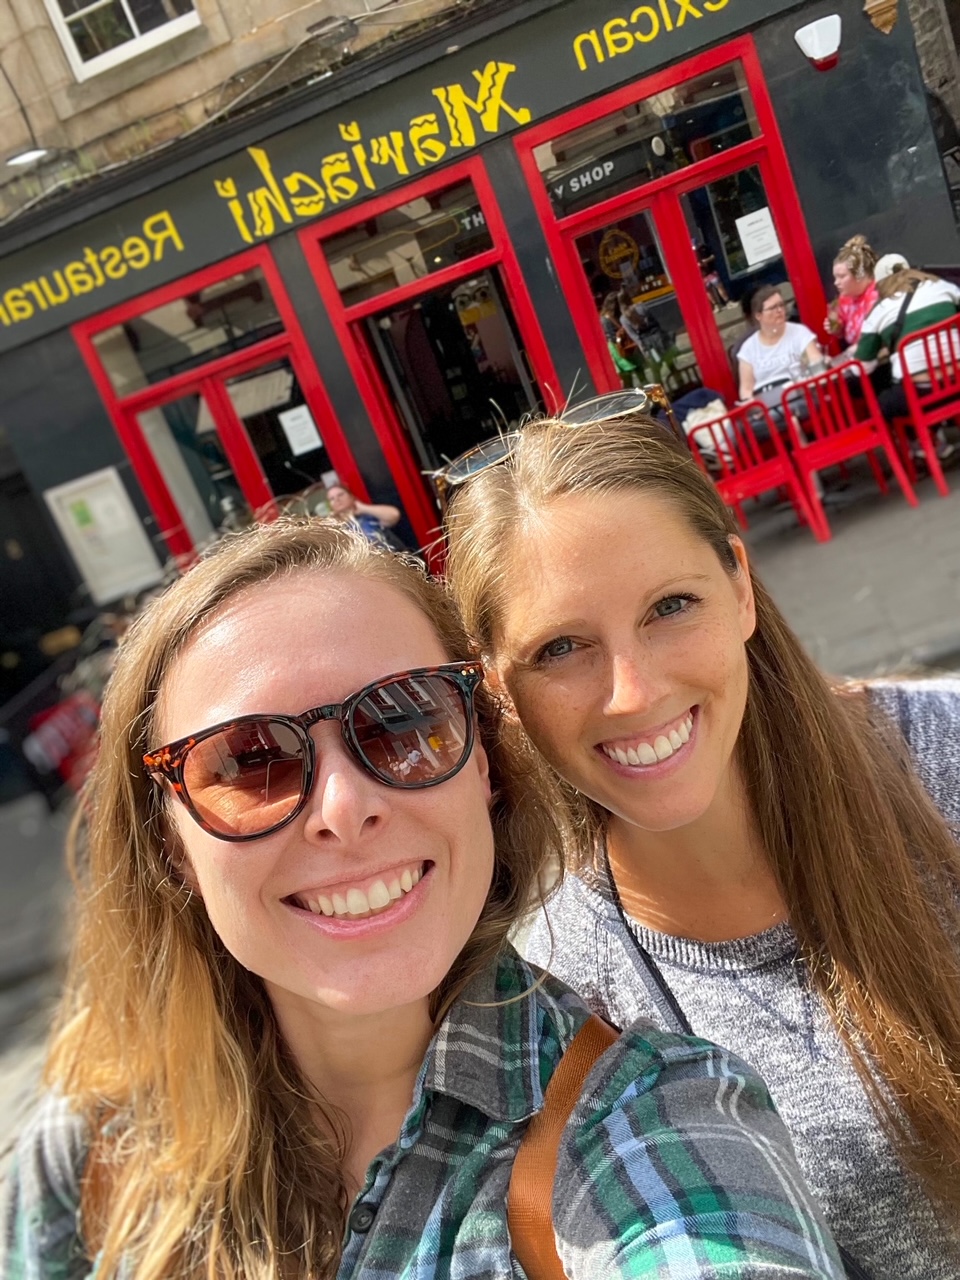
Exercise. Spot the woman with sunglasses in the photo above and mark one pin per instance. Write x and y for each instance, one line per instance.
(295, 1042)
(767, 857)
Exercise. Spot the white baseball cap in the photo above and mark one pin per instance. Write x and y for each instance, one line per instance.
(888, 264)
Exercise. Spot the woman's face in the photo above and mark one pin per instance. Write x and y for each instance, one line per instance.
(623, 651)
(846, 283)
(299, 642)
(772, 316)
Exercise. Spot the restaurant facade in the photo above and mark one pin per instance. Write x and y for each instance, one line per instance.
(394, 263)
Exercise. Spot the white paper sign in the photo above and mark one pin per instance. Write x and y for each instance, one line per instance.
(300, 430)
(758, 236)
(103, 531)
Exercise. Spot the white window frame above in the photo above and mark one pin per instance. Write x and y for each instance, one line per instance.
(124, 52)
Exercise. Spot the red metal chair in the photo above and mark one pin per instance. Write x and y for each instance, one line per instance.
(742, 466)
(933, 393)
(835, 416)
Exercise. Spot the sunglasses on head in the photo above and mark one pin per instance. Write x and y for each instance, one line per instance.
(612, 405)
(248, 777)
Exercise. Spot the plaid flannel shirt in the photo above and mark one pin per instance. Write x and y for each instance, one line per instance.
(674, 1164)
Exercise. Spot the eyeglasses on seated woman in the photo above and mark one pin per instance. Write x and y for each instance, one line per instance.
(295, 1041)
(766, 857)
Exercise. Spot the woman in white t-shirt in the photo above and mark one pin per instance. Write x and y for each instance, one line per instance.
(779, 349)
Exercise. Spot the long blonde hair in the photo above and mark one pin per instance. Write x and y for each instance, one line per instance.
(206, 1158)
(866, 865)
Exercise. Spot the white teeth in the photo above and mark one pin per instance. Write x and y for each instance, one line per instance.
(675, 740)
(684, 732)
(646, 753)
(357, 903)
(378, 895)
(662, 747)
(632, 757)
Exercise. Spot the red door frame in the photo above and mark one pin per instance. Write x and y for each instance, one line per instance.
(357, 350)
(662, 197)
(208, 380)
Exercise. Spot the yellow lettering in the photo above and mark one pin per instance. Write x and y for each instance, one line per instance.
(266, 201)
(427, 147)
(333, 172)
(4, 318)
(588, 37)
(31, 286)
(63, 292)
(227, 190)
(685, 7)
(111, 259)
(619, 40)
(487, 105)
(654, 24)
(78, 277)
(307, 206)
(665, 12)
(353, 133)
(137, 252)
(17, 303)
(715, 5)
(161, 228)
(385, 149)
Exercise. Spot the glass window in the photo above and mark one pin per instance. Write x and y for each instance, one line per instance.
(407, 243)
(100, 33)
(648, 139)
(223, 317)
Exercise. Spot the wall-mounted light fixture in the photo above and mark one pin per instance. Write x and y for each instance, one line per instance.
(35, 152)
(820, 41)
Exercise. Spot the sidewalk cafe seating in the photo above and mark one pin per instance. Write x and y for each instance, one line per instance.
(842, 419)
(933, 394)
(728, 450)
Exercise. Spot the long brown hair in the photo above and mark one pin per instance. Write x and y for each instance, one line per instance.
(207, 1158)
(866, 865)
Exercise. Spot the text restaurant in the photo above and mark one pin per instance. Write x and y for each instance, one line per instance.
(390, 266)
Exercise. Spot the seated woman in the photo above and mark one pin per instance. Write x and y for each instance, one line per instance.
(295, 1043)
(853, 278)
(777, 352)
(910, 300)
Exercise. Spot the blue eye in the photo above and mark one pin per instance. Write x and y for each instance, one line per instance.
(670, 606)
(558, 648)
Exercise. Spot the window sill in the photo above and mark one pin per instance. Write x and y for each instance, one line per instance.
(133, 48)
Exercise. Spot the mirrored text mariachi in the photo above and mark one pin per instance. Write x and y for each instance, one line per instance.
(359, 165)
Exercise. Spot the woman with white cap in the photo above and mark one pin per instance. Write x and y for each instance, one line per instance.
(910, 300)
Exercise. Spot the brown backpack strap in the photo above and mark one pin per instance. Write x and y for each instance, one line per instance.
(529, 1201)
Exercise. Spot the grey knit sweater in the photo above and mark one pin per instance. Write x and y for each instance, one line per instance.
(752, 996)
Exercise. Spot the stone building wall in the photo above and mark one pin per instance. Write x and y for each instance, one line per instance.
(936, 24)
(239, 49)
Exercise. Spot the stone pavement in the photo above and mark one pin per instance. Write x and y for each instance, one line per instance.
(883, 595)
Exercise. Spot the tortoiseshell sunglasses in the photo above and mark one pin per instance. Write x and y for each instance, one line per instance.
(248, 777)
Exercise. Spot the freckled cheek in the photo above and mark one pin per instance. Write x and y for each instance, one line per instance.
(552, 716)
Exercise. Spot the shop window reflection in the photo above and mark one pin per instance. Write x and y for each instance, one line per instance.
(180, 335)
(648, 139)
(407, 243)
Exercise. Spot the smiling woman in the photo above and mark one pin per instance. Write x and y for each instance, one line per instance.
(295, 1043)
(759, 860)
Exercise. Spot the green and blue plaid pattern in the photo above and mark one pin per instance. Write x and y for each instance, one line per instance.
(674, 1165)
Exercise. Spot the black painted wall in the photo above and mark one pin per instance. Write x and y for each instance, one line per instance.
(859, 138)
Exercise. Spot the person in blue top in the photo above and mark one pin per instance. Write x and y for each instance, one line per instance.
(371, 518)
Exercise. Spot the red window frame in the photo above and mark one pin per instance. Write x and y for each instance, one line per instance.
(361, 359)
(766, 152)
(208, 379)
